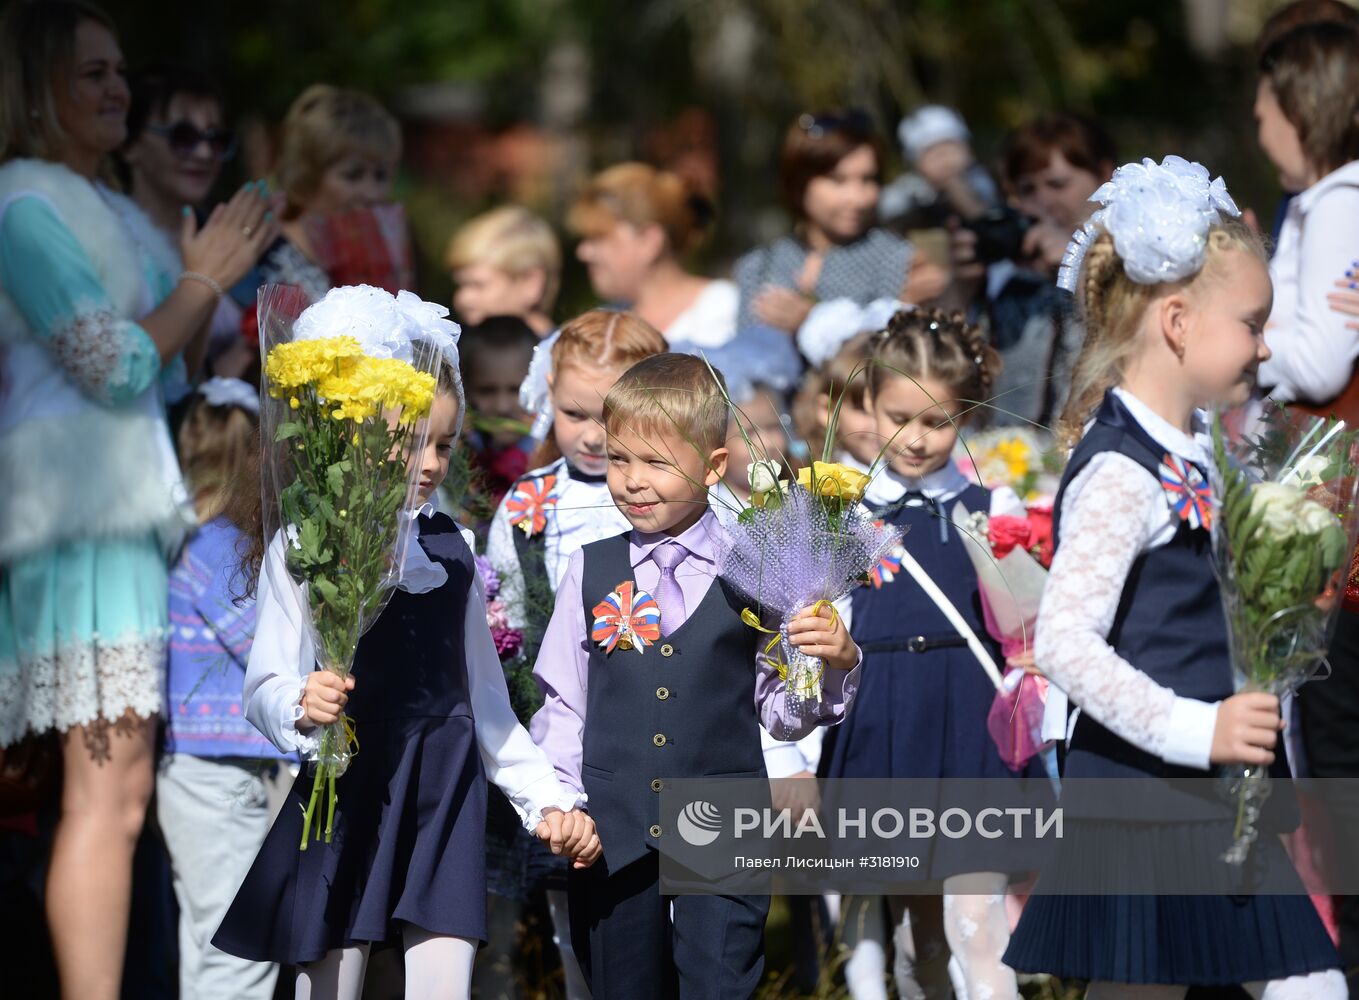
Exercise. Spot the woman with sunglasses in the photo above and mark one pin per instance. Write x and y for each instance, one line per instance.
(177, 143)
(830, 177)
(92, 498)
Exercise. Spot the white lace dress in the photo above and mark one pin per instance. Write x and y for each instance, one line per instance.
(83, 579)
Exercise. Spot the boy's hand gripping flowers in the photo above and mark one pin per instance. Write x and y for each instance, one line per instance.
(818, 631)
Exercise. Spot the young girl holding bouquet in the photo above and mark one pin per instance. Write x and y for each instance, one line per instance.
(924, 698)
(406, 858)
(1175, 295)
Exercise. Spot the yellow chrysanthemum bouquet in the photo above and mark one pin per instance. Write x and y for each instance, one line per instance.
(348, 382)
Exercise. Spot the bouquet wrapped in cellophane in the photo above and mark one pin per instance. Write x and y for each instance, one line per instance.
(348, 382)
(798, 545)
(1012, 553)
(1283, 530)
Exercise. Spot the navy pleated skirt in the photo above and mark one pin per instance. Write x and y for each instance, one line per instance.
(408, 847)
(1191, 940)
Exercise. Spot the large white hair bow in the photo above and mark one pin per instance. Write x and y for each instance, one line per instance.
(385, 325)
(1159, 215)
(534, 395)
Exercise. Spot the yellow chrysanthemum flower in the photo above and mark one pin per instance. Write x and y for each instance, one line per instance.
(1017, 456)
(303, 362)
(834, 480)
(393, 384)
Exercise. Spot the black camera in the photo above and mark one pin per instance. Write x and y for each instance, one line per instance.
(1000, 234)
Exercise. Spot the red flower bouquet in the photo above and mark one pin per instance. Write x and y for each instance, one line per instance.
(1011, 554)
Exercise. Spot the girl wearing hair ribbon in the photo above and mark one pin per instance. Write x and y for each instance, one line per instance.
(406, 861)
(1175, 294)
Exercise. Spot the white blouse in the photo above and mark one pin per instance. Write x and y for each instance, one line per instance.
(584, 513)
(710, 320)
(1112, 512)
(283, 656)
(1314, 349)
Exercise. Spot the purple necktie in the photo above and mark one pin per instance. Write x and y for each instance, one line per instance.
(669, 596)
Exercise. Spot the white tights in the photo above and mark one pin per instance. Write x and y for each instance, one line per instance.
(1326, 985)
(863, 933)
(438, 967)
(971, 925)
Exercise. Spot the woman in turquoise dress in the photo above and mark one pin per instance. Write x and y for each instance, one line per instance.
(92, 500)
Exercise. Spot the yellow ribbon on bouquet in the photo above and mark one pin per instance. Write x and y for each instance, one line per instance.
(775, 657)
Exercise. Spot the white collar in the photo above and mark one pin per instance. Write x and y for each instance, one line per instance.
(942, 484)
(1193, 447)
(419, 573)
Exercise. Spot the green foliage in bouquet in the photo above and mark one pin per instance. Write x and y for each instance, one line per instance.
(1284, 550)
(1280, 543)
(352, 425)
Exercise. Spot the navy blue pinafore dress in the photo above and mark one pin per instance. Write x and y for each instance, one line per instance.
(1170, 625)
(409, 839)
(923, 697)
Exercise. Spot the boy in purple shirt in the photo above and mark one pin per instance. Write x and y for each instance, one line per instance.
(617, 725)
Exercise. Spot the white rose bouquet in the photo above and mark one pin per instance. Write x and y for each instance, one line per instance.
(1283, 531)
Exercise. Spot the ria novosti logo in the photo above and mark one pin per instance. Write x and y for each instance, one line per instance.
(699, 823)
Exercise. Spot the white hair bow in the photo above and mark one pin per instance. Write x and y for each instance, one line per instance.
(219, 391)
(1159, 215)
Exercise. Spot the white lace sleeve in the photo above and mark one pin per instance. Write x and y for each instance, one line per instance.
(1105, 527)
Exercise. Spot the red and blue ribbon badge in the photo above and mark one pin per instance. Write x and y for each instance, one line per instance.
(629, 618)
(1190, 495)
(885, 570)
(528, 503)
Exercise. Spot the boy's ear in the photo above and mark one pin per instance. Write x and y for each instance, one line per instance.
(551, 379)
(823, 409)
(717, 467)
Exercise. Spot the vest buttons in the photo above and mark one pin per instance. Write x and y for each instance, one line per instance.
(667, 649)
(657, 784)
(659, 739)
(655, 831)
(662, 693)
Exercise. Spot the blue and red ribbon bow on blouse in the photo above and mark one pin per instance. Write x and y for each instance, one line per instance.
(1190, 495)
(885, 570)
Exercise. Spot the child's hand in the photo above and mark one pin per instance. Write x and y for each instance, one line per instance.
(822, 633)
(1248, 726)
(1026, 661)
(798, 793)
(324, 698)
(1345, 301)
(571, 833)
